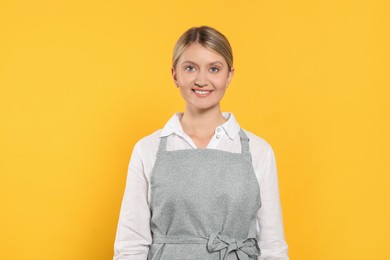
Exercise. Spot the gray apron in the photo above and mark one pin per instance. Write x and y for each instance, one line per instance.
(204, 204)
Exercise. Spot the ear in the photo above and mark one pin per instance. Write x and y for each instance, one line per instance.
(173, 72)
(230, 76)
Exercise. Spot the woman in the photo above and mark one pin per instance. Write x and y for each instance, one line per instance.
(201, 188)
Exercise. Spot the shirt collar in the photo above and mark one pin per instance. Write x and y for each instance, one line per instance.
(173, 125)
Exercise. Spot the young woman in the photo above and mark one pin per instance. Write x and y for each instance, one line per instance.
(201, 187)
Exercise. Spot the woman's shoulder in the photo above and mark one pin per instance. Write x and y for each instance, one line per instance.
(257, 143)
(149, 141)
(145, 148)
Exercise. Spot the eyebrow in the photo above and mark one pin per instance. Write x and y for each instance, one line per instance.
(212, 63)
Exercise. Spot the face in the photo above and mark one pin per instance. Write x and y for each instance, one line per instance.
(202, 76)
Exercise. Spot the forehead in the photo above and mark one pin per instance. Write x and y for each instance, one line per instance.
(200, 54)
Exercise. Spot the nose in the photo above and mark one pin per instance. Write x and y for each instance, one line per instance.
(201, 80)
(200, 84)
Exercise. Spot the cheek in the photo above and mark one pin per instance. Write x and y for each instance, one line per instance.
(184, 80)
(221, 82)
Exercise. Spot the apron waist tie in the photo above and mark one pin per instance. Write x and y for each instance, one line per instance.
(216, 242)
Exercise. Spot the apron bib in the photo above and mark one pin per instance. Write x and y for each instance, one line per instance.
(204, 204)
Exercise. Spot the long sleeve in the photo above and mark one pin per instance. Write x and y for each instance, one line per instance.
(270, 223)
(133, 235)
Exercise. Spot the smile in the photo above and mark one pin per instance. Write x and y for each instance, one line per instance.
(202, 93)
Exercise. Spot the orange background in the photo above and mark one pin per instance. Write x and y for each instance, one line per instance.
(82, 81)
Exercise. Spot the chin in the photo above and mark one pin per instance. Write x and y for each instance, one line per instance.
(204, 107)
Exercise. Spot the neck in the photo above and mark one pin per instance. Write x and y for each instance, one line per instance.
(201, 123)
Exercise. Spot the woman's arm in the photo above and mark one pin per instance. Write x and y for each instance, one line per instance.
(133, 235)
(270, 222)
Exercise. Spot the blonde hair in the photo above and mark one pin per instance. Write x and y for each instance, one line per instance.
(208, 37)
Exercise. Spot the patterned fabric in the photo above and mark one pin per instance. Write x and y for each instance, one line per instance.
(204, 204)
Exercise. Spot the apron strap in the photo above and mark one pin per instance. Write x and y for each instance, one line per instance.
(228, 248)
(162, 147)
(245, 150)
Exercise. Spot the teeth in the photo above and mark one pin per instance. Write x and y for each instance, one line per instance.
(201, 92)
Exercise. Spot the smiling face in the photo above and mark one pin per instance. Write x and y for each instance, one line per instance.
(202, 76)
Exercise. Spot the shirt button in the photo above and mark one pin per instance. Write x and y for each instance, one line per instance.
(218, 130)
(218, 136)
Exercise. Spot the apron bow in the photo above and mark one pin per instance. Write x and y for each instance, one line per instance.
(242, 249)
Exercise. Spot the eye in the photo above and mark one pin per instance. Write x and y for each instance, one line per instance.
(189, 68)
(214, 69)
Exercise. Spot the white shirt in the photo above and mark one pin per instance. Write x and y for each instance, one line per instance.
(133, 235)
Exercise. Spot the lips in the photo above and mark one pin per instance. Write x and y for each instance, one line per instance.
(202, 92)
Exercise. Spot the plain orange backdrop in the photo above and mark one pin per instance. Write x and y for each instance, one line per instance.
(82, 81)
